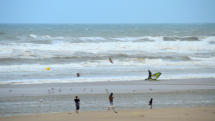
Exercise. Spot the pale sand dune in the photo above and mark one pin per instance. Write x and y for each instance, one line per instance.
(165, 114)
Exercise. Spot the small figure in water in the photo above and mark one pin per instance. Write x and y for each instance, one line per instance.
(77, 74)
(150, 103)
(77, 104)
(110, 59)
(150, 74)
(111, 103)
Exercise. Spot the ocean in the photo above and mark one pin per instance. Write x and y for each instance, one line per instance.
(54, 53)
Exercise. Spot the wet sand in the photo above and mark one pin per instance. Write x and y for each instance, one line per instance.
(22, 99)
(163, 114)
(102, 87)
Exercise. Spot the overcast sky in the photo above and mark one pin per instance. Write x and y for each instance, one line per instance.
(107, 11)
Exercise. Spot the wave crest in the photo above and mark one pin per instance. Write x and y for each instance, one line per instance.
(186, 38)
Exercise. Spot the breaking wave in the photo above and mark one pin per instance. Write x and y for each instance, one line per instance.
(181, 38)
(48, 39)
(27, 50)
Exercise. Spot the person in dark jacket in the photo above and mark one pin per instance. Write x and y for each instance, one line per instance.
(111, 103)
(150, 75)
(77, 104)
(150, 103)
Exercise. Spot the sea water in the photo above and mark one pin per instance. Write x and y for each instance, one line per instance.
(178, 51)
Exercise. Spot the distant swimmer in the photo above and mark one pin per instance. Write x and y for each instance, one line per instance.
(150, 103)
(111, 103)
(110, 59)
(77, 74)
(77, 104)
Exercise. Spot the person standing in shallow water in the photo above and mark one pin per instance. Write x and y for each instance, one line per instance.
(111, 61)
(77, 104)
(150, 103)
(111, 103)
(150, 74)
(78, 74)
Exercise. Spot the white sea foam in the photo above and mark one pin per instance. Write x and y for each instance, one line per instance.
(152, 63)
(45, 37)
(23, 50)
(92, 38)
(169, 54)
(71, 80)
(136, 39)
(208, 38)
(120, 39)
(103, 79)
(33, 36)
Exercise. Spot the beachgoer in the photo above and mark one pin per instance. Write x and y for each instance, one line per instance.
(150, 103)
(77, 74)
(77, 104)
(111, 103)
(150, 74)
(110, 59)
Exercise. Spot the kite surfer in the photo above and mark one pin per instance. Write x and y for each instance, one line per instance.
(150, 75)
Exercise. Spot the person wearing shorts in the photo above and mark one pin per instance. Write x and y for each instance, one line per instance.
(111, 103)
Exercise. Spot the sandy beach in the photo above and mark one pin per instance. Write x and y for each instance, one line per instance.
(32, 99)
(163, 114)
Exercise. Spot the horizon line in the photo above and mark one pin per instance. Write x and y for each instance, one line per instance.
(113, 23)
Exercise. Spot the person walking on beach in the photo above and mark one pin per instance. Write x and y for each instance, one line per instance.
(77, 104)
(111, 103)
(150, 103)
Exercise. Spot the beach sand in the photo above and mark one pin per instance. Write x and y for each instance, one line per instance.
(23, 99)
(162, 114)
